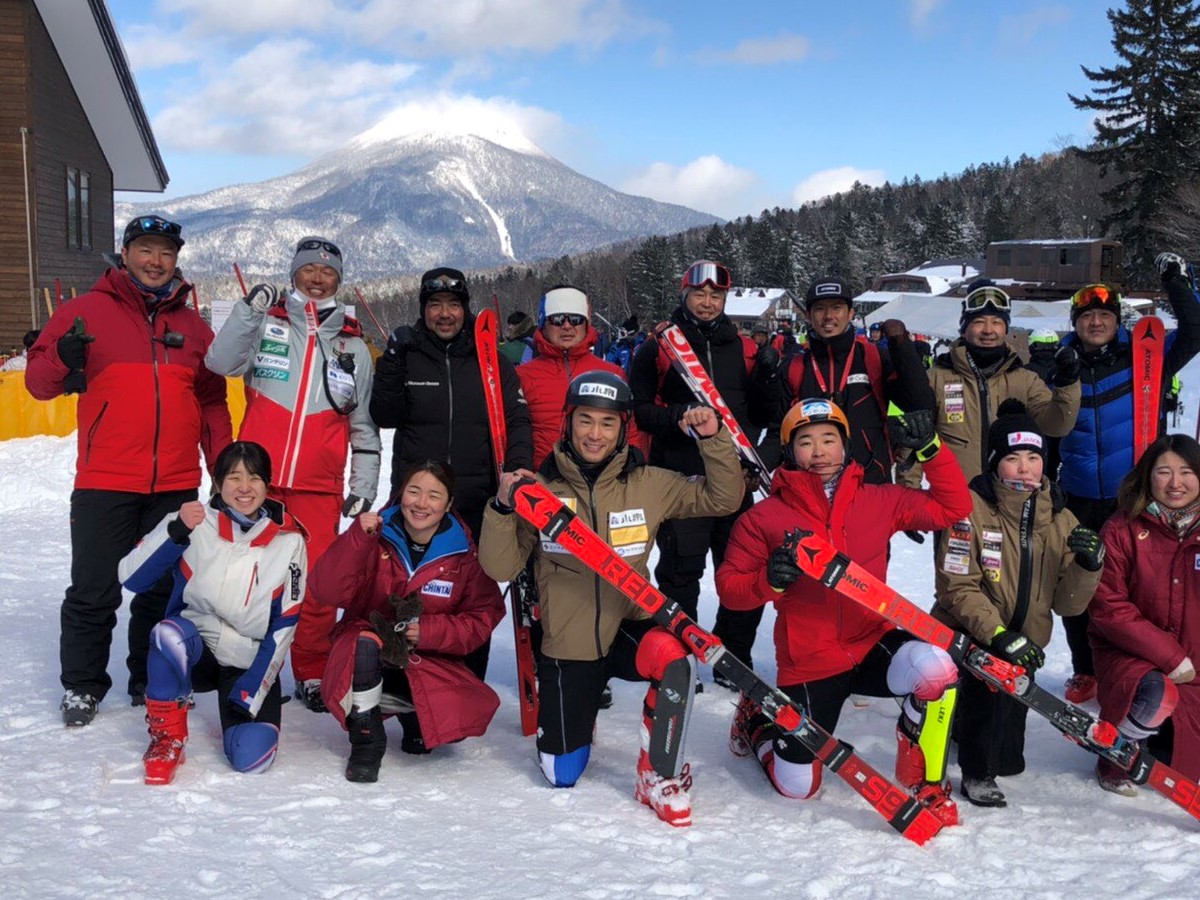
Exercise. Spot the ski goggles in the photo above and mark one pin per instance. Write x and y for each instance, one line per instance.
(319, 245)
(558, 320)
(702, 273)
(983, 297)
(443, 284)
(152, 225)
(1096, 295)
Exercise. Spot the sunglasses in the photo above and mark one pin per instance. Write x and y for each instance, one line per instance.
(1095, 295)
(319, 245)
(987, 296)
(702, 273)
(444, 285)
(558, 320)
(157, 225)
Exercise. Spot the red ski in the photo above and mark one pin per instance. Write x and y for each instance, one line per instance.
(537, 505)
(822, 561)
(1148, 344)
(486, 324)
(696, 377)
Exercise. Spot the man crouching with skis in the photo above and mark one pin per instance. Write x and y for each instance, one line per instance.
(827, 646)
(592, 631)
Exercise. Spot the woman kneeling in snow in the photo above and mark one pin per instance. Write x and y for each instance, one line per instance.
(239, 567)
(416, 602)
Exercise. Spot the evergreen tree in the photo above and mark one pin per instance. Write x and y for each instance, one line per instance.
(1149, 116)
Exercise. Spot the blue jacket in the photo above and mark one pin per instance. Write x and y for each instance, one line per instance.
(1098, 452)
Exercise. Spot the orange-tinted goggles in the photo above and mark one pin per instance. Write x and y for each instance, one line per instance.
(1096, 295)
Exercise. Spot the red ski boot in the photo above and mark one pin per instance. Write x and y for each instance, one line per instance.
(168, 736)
(668, 797)
(910, 773)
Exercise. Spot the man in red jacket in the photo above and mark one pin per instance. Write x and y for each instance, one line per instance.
(133, 350)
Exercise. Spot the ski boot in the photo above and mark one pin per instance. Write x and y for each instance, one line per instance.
(668, 797)
(368, 741)
(167, 720)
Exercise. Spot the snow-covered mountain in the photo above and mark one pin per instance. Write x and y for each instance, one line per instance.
(400, 201)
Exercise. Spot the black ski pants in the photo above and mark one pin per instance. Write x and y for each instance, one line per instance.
(683, 548)
(990, 730)
(1091, 514)
(105, 526)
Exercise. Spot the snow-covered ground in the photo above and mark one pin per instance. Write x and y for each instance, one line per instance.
(476, 819)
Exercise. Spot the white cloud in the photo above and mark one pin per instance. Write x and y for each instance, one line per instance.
(834, 181)
(708, 184)
(498, 119)
(1020, 30)
(148, 47)
(281, 97)
(919, 11)
(783, 48)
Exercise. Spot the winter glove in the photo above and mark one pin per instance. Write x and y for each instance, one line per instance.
(354, 505)
(782, 570)
(914, 430)
(400, 340)
(1066, 367)
(72, 346)
(766, 362)
(1088, 548)
(894, 330)
(395, 649)
(915, 536)
(1169, 265)
(1017, 649)
(262, 297)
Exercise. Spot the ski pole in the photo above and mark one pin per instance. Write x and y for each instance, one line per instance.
(363, 301)
(241, 281)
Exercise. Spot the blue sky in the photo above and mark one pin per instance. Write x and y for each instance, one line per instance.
(727, 107)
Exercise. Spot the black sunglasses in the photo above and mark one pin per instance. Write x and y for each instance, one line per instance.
(317, 245)
(558, 320)
(156, 225)
(446, 285)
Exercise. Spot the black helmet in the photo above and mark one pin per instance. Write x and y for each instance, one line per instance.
(600, 389)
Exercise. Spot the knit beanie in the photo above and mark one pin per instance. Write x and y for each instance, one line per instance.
(983, 299)
(1095, 296)
(443, 280)
(1014, 429)
(314, 249)
(563, 299)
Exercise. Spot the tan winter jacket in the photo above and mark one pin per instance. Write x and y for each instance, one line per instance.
(581, 612)
(983, 569)
(963, 428)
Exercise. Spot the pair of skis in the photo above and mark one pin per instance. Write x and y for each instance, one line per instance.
(521, 590)
(820, 560)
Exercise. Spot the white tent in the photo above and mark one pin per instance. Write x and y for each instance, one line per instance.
(938, 316)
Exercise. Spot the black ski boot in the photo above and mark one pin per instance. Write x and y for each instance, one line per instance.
(368, 741)
(412, 741)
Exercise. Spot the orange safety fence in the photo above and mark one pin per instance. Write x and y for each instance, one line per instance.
(22, 416)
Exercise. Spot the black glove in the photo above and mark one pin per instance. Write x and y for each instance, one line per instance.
(915, 536)
(262, 297)
(914, 430)
(782, 570)
(1017, 649)
(354, 505)
(1066, 367)
(1169, 265)
(401, 337)
(766, 361)
(72, 346)
(1088, 548)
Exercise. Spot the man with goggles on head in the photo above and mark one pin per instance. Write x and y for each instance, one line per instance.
(429, 388)
(1098, 452)
(980, 372)
(132, 348)
(661, 398)
(308, 385)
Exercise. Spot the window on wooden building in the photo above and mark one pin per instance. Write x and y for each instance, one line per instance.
(79, 209)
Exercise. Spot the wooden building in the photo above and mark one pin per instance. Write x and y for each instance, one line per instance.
(72, 130)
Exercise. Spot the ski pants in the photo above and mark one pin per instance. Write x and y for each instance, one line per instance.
(569, 689)
(683, 548)
(321, 515)
(1091, 514)
(990, 730)
(105, 526)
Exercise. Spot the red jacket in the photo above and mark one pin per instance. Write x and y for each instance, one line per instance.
(544, 380)
(818, 632)
(461, 608)
(148, 407)
(1146, 616)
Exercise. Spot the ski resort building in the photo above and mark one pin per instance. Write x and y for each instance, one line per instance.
(72, 130)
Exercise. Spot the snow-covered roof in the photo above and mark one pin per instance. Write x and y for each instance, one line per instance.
(91, 52)
(753, 303)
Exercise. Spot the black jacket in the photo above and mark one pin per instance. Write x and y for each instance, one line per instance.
(723, 353)
(905, 383)
(431, 392)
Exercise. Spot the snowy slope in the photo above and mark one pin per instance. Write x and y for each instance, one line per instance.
(476, 819)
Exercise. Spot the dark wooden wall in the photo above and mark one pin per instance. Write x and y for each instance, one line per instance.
(15, 106)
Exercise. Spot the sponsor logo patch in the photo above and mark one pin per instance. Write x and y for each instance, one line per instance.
(438, 588)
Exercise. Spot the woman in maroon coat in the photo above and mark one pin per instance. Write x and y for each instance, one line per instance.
(826, 645)
(416, 602)
(1145, 617)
